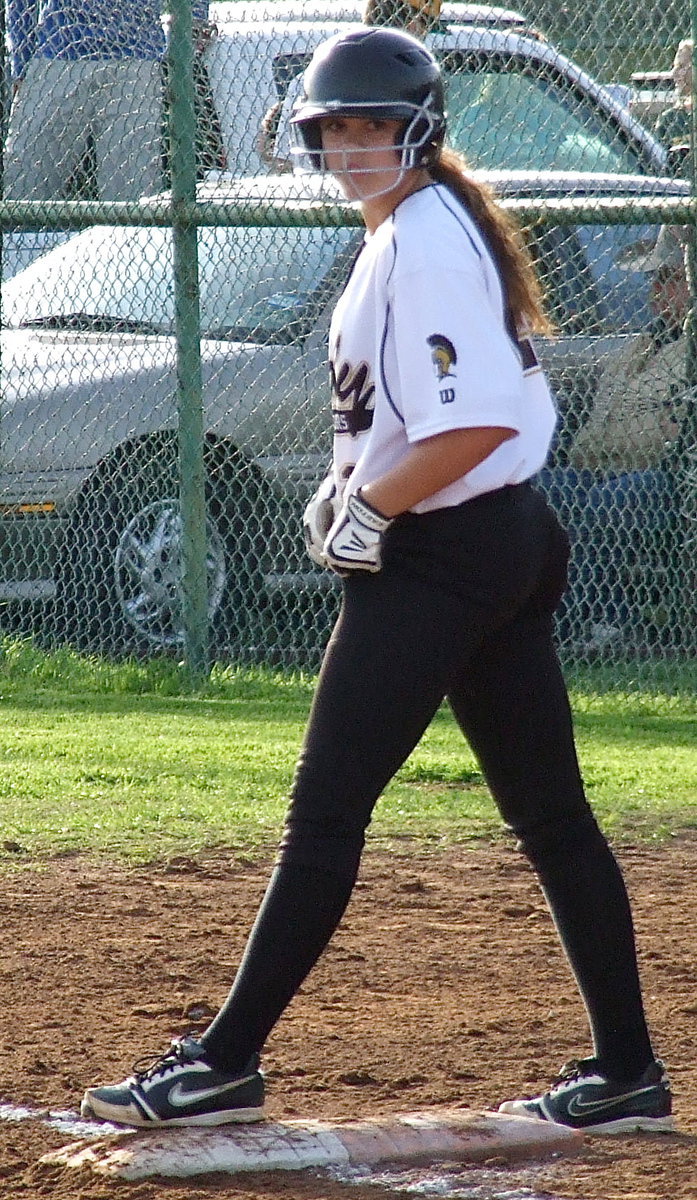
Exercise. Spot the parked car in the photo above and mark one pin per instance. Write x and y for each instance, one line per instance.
(89, 514)
(495, 64)
(563, 119)
(21, 247)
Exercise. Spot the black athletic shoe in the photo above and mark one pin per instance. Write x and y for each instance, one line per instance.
(585, 1099)
(179, 1088)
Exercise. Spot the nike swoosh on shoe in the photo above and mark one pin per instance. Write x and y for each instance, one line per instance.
(579, 1108)
(178, 1096)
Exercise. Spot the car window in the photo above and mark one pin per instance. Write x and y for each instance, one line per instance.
(284, 277)
(269, 283)
(593, 277)
(286, 68)
(614, 255)
(22, 247)
(557, 127)
(255, 284)
(506, 113)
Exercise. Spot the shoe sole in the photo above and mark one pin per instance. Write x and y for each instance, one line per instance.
(638, 1124)
(236, 1116)
(632, 1125)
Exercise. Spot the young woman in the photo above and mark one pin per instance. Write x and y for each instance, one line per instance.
(418, 17)
(452, 566)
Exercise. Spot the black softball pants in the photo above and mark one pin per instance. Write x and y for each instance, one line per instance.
(462, 609)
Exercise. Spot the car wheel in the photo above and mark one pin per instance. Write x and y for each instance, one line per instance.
(148, 573)
(120, 581)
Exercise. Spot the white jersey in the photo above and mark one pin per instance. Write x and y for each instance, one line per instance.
(419, 345)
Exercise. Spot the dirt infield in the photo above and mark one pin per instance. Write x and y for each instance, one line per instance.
(444, 986)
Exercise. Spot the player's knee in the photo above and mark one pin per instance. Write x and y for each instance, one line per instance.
(330, 847)
(565, 836)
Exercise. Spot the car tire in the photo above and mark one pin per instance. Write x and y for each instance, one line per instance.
(118, 585)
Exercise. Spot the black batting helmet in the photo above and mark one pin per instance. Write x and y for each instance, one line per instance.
(380, 74)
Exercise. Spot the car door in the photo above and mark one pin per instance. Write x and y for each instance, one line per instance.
(597, 295)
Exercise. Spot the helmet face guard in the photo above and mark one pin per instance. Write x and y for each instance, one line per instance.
(418, 137)
(378, 74)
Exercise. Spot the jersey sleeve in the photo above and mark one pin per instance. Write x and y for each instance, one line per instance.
(455, 365)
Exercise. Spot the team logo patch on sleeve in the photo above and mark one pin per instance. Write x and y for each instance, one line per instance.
(443, 354)
(443, 357)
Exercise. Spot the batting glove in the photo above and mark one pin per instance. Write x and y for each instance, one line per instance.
(354, 542)
(318, 518)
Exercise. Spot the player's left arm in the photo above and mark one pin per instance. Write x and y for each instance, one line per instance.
(431, 465)
(354, 541)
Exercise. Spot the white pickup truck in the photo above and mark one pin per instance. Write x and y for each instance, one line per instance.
(514, 101)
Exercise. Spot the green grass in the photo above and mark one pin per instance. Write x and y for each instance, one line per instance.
(125, 759)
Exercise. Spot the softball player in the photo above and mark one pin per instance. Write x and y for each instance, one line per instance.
(452, 565)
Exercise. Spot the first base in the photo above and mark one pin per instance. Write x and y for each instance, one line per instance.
(430, 1136)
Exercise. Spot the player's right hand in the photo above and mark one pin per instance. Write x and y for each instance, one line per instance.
(318, 518)
(354, 542)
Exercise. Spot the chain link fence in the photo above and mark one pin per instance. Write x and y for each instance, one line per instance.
(152, 480)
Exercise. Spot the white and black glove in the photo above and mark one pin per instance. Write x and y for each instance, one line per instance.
(318, 518)
(354, 542)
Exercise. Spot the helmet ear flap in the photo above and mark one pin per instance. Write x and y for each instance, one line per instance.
(311, 134)
(432, 148)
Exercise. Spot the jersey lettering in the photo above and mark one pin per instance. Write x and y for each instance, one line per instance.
(353, 398)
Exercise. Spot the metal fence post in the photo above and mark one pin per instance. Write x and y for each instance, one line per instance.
(182, 138)
(691, 248)
(689, 499)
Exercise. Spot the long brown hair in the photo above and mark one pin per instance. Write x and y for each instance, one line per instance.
(502, 235)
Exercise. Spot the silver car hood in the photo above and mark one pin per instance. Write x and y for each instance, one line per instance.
(69, 399)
